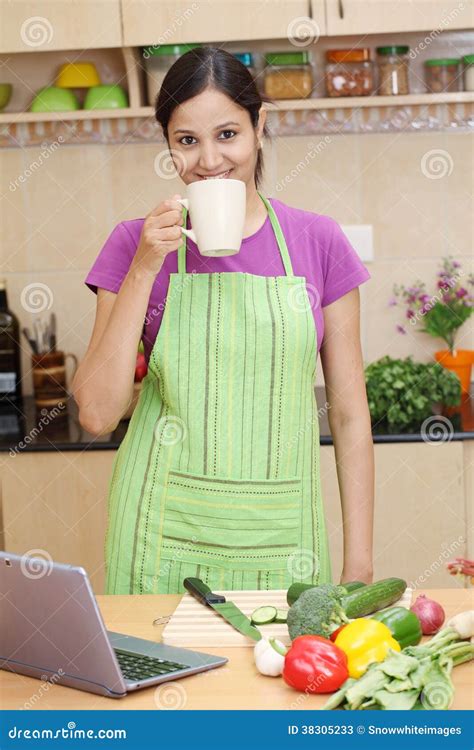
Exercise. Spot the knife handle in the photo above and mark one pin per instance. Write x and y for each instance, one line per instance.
(202, 592)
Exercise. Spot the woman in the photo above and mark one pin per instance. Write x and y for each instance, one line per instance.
(218, 475)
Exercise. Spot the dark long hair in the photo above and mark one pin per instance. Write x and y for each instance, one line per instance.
(204, 67)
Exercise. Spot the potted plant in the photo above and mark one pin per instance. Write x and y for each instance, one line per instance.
(402, 393)
(441, 314)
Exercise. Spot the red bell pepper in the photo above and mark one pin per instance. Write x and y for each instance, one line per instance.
(315, 665)
(335, 633)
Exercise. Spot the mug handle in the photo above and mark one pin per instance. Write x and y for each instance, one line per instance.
(74, 364)
(188, 232)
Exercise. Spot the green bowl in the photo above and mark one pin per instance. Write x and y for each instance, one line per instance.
(106, 97)
(5, 94)
(54, 99)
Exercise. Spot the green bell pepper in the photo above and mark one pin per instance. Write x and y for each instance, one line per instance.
(402, 623)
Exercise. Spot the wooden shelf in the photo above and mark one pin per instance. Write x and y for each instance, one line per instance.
(283, 105)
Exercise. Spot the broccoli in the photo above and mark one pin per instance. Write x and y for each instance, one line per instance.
(318, 611)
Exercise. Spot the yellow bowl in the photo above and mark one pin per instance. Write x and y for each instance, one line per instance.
(77, 76)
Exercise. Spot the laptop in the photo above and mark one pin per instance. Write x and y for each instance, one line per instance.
(51, 628)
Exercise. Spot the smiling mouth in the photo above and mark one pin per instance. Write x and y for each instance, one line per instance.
(219, 176)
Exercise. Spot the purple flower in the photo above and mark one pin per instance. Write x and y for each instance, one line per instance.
(392, 302)
(401, 329)
(410, 314)
(461, 292)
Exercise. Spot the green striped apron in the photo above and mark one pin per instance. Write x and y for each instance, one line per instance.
(218, 475)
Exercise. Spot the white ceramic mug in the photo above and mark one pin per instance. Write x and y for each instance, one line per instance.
(217, 211)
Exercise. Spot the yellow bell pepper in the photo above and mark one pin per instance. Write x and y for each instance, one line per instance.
(363, 641)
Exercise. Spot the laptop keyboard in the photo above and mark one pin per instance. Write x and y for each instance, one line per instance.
(139, 667)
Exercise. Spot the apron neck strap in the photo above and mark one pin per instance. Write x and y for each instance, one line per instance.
(285, 255)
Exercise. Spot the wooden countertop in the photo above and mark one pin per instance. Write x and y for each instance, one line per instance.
(236, 685)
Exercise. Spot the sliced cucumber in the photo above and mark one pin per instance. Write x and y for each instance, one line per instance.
(263, 615)
(281, 615)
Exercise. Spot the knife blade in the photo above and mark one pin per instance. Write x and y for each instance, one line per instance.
(228, 610)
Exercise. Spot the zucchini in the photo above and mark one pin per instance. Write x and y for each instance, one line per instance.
(296, 589)
(263, 615)
(373, 597)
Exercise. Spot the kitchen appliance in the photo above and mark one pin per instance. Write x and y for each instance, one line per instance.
(51, 628)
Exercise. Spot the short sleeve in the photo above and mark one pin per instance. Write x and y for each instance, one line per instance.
(113, 262)
(343, 269)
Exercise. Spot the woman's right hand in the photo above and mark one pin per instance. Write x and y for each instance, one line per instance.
(161, 234)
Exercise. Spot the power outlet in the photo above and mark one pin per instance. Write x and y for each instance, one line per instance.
(361, 238)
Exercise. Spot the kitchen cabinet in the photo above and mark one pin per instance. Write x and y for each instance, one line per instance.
(422, 510)
(177, 21)
(55, 504)
(385, 16)
(59, 25)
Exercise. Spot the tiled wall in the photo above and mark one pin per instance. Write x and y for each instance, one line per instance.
(57, 210)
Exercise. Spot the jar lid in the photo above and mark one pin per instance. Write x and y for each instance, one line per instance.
(168, 49)
(348, 55)
(245, 58)
(393, 50)
(442, 61)
(468, 59)
(287, 58)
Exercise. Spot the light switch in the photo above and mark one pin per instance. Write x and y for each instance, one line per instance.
(361, 238)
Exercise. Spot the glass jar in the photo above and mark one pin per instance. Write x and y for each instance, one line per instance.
(246, 58)
(442, 75)
(158, 60)
(349, 72)
(288, 75)
(393, 70)
(468, 72)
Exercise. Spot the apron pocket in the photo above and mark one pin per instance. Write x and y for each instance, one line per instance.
(244, 524)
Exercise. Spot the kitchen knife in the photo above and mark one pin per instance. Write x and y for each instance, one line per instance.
(227, 610)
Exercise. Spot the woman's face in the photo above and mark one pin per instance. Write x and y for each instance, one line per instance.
(210, 135)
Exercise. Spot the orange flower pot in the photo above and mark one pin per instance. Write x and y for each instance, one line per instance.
(460, 362)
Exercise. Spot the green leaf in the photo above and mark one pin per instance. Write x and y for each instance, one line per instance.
(397, 701)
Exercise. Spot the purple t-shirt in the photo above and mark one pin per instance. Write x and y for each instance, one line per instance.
(318, 248)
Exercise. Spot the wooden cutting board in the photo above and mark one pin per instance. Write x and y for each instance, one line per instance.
(194, 625)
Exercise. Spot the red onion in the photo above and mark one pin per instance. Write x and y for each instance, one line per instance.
(430, 614)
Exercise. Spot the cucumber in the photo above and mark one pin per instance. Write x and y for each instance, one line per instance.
(373, 597)
(281, 615)
(353, 585)
(296, 589)
(263, 615)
